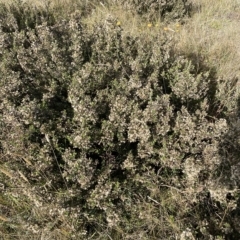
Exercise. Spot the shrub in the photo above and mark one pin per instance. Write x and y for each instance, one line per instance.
(157, 9)
(109, 135)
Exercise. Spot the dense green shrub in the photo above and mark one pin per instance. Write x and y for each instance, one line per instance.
(23, 16)
(158, 9)
(110, 135)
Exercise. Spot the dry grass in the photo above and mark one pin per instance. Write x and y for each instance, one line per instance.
(213, 33)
